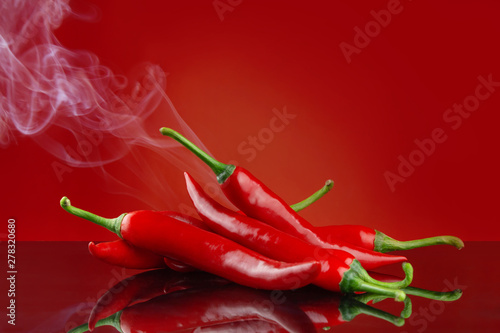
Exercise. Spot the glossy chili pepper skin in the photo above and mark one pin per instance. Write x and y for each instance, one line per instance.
(257, 201)
(357, 235)
(121, 253)
(212, 253)
(202, 249)
(267, 240)
(274, 243)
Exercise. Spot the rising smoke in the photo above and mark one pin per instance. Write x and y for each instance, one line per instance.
(77, 109)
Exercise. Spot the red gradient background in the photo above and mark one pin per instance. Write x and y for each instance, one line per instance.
(352, 120)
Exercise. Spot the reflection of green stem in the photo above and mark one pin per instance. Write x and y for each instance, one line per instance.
(350, 308)
(113, 320)
(375, 298)
(437, 295)
(384, 243)
(314, 197)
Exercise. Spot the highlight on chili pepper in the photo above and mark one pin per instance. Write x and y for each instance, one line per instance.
(239, 185)
(215, 254)
(340, 271)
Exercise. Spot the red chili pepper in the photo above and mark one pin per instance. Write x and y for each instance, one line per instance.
(121, 253)
(372, 239)
(340, 271)
(202, 249)
(145, 286)
(256, 200)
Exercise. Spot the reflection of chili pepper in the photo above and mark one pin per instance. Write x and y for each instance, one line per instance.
(193, 308)
(340, 271)
(372, 239)
(328, 309)
(135, 289)
(123, 254)
(243, 326)
(145, 286)
(202, 249)
(256, 200)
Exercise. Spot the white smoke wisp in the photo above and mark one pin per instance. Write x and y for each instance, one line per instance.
(80, 111)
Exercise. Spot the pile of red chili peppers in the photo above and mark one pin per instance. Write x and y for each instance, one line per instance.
(267, 245)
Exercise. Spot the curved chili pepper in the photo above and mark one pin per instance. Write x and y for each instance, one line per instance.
(202, 249)
(145, 286)
(256, 200)
(340, 271)
(190, 309)
(372, 239)
(121, 253)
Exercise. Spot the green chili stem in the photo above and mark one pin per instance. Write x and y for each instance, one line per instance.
(313, 198)
(113, 320)
(359, 273)
(110, 224)
(440, 296)
(354, 280)
(407, 268)
(384, 243)
(223, 171)
(349, 309)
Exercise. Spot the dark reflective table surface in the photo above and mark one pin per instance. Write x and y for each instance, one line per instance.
(56, 285)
